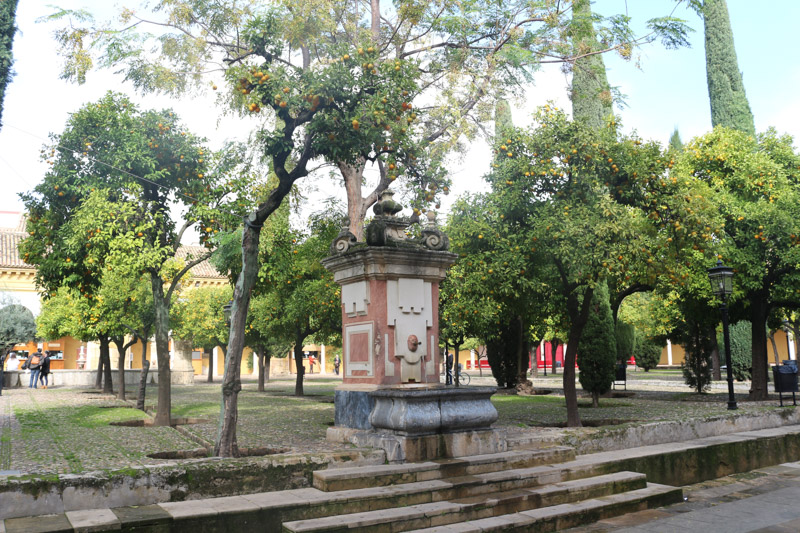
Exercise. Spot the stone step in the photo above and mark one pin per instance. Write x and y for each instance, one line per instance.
(567, 515)
(403, 518)
(385, 475)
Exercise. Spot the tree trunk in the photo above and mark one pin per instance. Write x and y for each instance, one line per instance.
(553, 349)
(226, 445)
(210, 378)
(161, 323)
(716, 368)
(121, 350)
(523, 355)
(758, 318)
(353, 180)
(771, 338)
(105, 356)
(143, 378)
(456, 373)
(579, 314)
(375, 25)
(298, 361)
(263, 367)
(595, 399)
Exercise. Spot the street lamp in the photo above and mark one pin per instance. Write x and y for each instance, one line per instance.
(721, 278)
(226, 312)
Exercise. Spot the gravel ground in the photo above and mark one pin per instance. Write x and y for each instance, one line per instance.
(67, 430)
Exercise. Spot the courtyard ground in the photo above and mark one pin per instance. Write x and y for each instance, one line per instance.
(69, 430)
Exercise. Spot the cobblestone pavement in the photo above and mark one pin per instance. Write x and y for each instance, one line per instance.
(760, 501)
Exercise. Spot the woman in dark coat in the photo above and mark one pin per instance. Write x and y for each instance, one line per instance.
(44, 370)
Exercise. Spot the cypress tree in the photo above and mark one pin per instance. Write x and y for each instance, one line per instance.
(8, 13)
(675, 142)
(729, 106)
(590, 94)
(597, 349)
(626, 340)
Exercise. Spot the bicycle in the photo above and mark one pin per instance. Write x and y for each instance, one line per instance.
(463, 377)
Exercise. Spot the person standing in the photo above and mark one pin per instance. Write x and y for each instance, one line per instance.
(448, 363)
(44, 369)
(336, 363)
(311, 362)
(34, 363)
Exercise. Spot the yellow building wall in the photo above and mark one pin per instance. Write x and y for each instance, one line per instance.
(781, 344)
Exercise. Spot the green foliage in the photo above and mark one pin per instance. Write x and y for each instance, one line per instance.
(741, 349)
(729, 106)
(647, 351)
(501, 353)
(597, 349)
(116, 172)
(17, 326)
(675, 143)
(626, 340)
(591, 94)
(300, 299)
(8, 14)
(696, 367)
(198, 316)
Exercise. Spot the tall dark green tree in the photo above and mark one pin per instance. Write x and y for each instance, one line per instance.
(591, 94)
(8, 14)
(597, 348)
(729, 105)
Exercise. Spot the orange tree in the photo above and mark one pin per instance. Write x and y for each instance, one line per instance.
(463, 56)
(117, 176)
(577, 205)
(755, 188)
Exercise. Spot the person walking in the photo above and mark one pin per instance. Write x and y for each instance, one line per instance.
(34, 363)
(448, 363)
(44, 370)
(311, 362)
(336, 363)
(2, 364)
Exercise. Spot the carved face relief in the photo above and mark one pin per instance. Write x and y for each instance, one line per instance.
(413, 342)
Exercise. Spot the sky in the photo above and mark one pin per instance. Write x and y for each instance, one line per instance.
(664, 90)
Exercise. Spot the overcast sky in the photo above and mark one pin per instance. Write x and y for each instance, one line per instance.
(667, 91)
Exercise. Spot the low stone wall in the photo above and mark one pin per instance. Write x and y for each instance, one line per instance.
(86, 378)
(190, 480)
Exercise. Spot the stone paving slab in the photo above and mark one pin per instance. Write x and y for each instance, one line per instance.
(93, 520)
(53, 523)
(142, 516)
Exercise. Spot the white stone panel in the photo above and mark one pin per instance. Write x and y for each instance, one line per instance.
(355, 297)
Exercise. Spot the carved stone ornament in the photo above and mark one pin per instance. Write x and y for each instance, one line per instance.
(432, 237)
(344, 240)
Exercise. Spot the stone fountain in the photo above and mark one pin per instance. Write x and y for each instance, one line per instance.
(391, 396)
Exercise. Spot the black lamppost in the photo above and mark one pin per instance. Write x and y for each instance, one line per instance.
(721, 278)
(226, 312)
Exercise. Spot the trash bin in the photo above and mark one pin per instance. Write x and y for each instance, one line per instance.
(785, 378)
(621, 376)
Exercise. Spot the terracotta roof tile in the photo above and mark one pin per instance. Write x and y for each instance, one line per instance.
(201, 270)
(9, 245)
